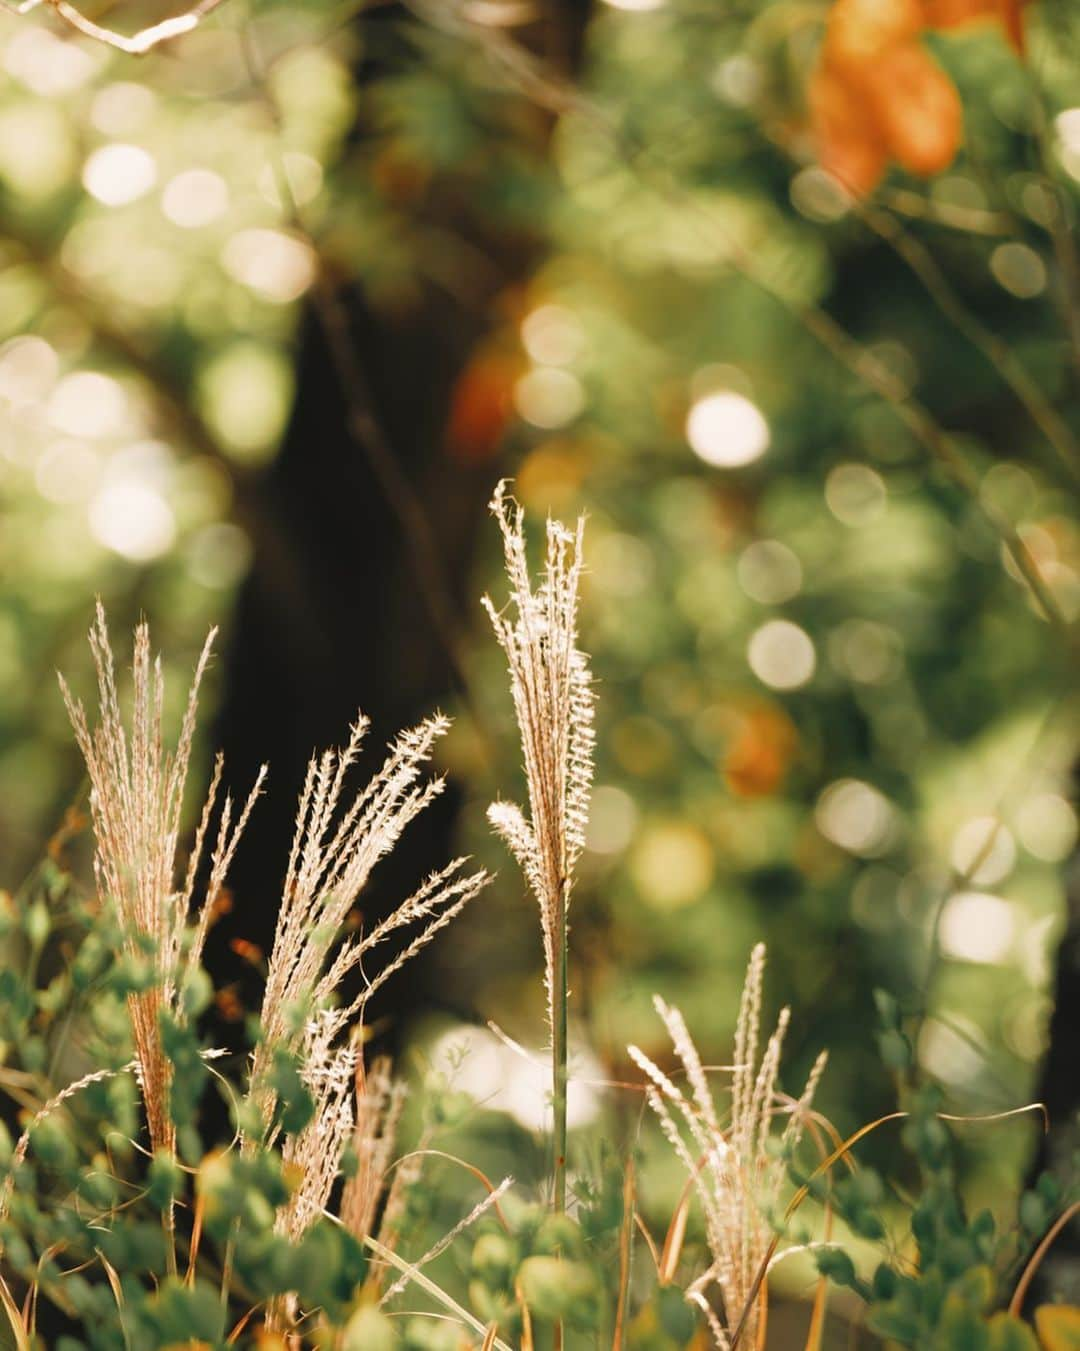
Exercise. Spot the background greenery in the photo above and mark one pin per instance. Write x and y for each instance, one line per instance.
(821, 675)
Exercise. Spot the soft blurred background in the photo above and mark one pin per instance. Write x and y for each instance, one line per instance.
(283, 299)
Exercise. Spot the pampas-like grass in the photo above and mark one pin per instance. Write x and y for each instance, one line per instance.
(553, 700)
(738, 1171)
(552, 692)
(379, 1103)
(336, 844)
(332, 855)
(136, 802)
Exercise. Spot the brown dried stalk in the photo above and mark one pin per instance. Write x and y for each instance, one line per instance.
(737, 1174)
(136, 802)
(379, 1102)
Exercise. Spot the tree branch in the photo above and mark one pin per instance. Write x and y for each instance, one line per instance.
(138, 44)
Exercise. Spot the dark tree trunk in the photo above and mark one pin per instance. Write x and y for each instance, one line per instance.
(1059, 1090)
(333, 617)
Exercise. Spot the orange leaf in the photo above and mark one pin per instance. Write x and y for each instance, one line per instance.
(860, 30)
(849, 145)
(481, 407)
(956, 13)
(1058, 1326)
(758, 757)
(917, 108)
(1012, 20)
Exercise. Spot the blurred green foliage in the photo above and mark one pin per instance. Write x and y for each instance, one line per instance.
(830, 714)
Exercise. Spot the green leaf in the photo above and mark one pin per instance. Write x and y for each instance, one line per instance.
(1010, 1334)
(977, 1287)
(368, 1330)
(895, 1049)
(183, 1314)
(165, 1180)
(961, 1328)
(494, 1258)
(559, 1236)
(836, 1265)
(555, 1289)
(677, 1317)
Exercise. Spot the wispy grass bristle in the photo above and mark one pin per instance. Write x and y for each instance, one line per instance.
(736, 1171)
(334, 848)
(552, 691)
(137, 789)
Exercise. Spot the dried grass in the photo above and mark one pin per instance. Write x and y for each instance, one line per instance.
(137, 803)
(737, 1171)
(553, 700)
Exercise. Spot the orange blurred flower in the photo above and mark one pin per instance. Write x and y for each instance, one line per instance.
(481, 406)
(757, 759)
(877, 96)
(955, 13)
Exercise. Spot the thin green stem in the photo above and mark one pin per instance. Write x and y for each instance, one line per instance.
(559, 1053)
(168, 1223)
(227, 1264)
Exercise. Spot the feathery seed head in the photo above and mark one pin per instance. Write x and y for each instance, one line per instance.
(379, 1103)
(136, 802)
(736, 1172)
(339, 837)
(552, 692)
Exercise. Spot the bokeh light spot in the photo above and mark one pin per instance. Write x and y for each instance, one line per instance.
(304, 176)
(122, 107)
(1019, 269)
(195, 198)
(549, 398)
(552, 335)
(739, 80)
(133, 519)
(727, 430)
(28, 370)
(244, 393)
(500, 1077)
(37, 154)
(952, 1051)
(276, 265)
(818, 196)
(855, 816)
(87, 403)
(1067, 127)
(983, 851)
(45, 64)
(977, 927)
(769, 572)
(636, 6)
(782, 655)
(612, 819)
(219, 555)
(68, 471)
(117, 174)
(672, 864)
(865, 651)
(1047, 827)
(855, 494)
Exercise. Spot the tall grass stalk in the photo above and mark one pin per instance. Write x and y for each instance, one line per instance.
(552, 692)
(137, 799)
(737, 1171)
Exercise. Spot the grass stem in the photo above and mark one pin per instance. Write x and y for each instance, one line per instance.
(559, 1055)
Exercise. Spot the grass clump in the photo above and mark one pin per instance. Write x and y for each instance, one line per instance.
(123, 1227)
